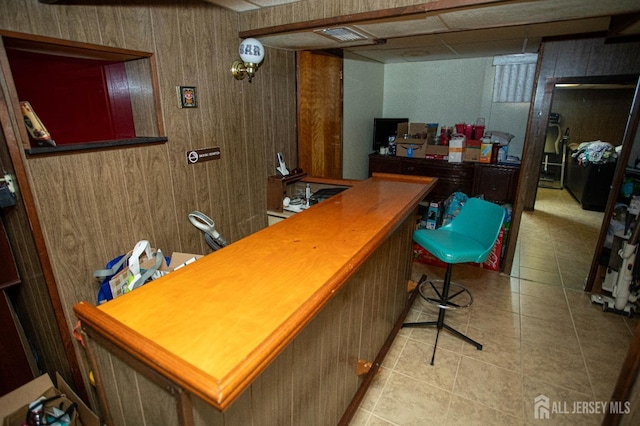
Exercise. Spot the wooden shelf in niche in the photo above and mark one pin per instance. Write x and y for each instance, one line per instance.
(88, 96)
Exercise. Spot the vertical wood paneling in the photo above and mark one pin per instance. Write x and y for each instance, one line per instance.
(141, 91)
(601, 63)
(12, 16)
(312, 381)
(272, 393)
(320, 117)
(94, 206)
(593, 114)
(110, 29)
(78, 23)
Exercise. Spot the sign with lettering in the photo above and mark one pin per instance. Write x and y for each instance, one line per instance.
(203, 154)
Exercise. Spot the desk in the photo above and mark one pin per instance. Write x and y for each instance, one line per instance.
(269, 329)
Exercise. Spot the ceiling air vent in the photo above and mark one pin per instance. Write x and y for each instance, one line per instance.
(341, 34)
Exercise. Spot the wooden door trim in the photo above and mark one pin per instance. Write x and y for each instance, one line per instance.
(9, 124)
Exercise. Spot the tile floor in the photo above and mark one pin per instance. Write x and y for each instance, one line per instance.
(541, 336)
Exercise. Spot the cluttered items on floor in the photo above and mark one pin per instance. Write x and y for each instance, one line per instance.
(621, 278)
(137, 267)
(39, 402)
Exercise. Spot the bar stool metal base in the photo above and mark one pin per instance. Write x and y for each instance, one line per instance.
(444, 302)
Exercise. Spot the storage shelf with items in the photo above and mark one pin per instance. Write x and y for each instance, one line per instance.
(86, 96)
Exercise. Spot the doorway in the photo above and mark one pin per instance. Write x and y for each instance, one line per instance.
(591, 112)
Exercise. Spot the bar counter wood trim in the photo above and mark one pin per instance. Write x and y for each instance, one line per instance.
(177, 326)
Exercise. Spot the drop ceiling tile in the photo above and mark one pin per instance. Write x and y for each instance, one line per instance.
(423, 25)
(235, 5)
(534, 12)
(269, 3)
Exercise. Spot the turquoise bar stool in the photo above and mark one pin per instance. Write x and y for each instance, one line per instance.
(469, 237)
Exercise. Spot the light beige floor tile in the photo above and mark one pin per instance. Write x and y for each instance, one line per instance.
(574, 281)
(446, 340)
(406, 401)
(540, 263)
(498, 321)
(375, 389)
(497, 350)
(547, 292)
(560, 368)
(603, 347)
(579, 301)
(415, 361)
(560, 405)
(551, 278)
(552, 334)
(495, 387)
(391, 358)
(603, 377)
(378, 421)
(542, 251)
(508, 302)
(550, 309)
(464, 412)
(601, 322)
(360, 418)
(541, 335)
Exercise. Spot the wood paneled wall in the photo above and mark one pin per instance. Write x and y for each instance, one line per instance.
(93, 206)
(593, 114)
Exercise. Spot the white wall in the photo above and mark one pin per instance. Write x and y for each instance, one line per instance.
(444, 92)
(450, 92)
(363, 83)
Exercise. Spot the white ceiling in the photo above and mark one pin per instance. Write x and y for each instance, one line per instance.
(498, 28)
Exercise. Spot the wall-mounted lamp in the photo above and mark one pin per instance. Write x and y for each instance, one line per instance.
(251, 55)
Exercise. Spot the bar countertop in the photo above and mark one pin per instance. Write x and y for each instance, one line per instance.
(215, 325)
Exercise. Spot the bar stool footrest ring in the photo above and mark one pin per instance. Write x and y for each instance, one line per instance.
(459, 296)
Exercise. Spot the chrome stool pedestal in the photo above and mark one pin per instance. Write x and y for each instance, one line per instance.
(461, 298)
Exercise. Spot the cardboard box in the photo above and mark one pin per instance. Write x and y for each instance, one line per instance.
(471, 154)
(437, 150)
(117, 284)
(178, 260)
(434, 215)
(426, 131)
(13, 406)
(456, 149)
(493, 261)
(416, 148)
(402, 129)
(472, 150)
(485, 152)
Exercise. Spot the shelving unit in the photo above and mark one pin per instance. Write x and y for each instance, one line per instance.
(277, 189)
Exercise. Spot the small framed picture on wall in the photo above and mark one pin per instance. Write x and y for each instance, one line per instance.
(187, 95)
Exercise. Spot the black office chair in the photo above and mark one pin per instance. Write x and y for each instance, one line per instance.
(469, 237)
(554, 154)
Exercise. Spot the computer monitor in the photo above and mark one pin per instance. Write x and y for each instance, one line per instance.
(383, 128)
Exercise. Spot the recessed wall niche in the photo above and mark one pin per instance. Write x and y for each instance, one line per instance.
(87, 96)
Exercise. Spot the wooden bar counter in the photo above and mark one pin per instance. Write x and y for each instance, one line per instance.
(270, 329)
